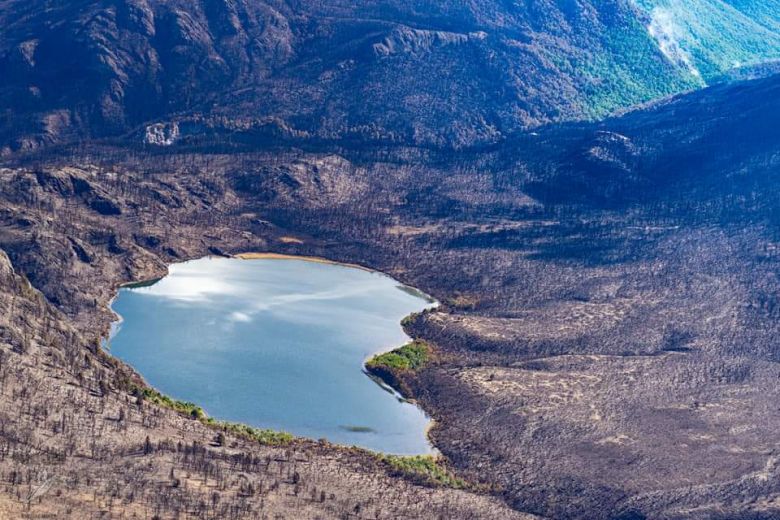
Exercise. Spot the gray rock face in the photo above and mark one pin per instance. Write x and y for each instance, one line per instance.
(405, 40)
(161, 134)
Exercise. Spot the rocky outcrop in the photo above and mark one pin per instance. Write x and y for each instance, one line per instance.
(161, 134)
(416, 41)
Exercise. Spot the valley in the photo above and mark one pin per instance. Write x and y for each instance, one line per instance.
(588, 190)
(583, 351)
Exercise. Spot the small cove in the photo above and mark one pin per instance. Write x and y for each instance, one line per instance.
(276, 343)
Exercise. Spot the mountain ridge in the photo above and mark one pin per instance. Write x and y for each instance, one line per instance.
(386, 70)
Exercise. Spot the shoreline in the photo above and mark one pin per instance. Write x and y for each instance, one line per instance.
(380, 381)
(305, 258)
(376, 377)
(322, 260)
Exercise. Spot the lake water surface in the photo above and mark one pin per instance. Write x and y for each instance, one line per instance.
(275, 344)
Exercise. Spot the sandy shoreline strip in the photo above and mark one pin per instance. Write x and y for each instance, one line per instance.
(280, 256)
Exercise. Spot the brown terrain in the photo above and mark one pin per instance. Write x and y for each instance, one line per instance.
(74, 443)
(607, 344)
(591, 362)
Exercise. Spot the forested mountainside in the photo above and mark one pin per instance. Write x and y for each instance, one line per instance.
(449, 74)
(712, 37)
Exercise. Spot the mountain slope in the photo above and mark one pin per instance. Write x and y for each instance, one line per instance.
(448, 74)
(710, 37)
(451, 73)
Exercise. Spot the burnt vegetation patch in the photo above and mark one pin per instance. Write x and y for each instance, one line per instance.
(606, 339)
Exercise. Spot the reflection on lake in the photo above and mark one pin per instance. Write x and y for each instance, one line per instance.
(275, 344)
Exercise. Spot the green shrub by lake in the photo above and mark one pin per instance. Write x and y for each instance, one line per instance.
(412, 356)
(425, 469)
(263, 436)
(153, 396)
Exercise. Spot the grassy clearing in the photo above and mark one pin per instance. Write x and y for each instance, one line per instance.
(424, 469)
(412, 356)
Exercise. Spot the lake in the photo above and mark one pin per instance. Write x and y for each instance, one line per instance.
(276, 343)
